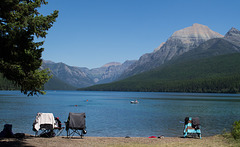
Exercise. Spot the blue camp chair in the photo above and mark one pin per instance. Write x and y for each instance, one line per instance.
(191, 127)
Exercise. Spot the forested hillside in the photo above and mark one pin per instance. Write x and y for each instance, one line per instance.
(219, 74)
(53, 84)
(56, 84)
(6, 84)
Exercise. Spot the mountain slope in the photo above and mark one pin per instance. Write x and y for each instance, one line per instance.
(215, 74)
(109, 72)
(197, 41)
(233, 35)
(68, 74)
(83, 77)
(56, 84)
(213, 66)
(179, 43)
(214, 47)
(210, 48)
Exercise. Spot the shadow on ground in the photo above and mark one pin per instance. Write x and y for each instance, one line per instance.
(13, 142)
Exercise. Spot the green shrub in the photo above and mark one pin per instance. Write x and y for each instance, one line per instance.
(236, 130)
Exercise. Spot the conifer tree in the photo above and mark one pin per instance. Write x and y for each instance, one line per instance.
(20, 55)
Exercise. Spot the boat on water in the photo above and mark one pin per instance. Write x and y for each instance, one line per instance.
(134, 102)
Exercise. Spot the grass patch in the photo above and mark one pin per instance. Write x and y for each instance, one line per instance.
(230, 139)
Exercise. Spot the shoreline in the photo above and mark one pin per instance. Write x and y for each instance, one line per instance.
(62, 141)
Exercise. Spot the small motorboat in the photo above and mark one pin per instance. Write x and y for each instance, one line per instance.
(134, 102)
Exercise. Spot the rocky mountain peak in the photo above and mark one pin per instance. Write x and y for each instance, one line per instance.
(197, 31)
(112, 64)
(179, 43)
(83, 77)
(233, 35)
(233, 32)
(184, 40)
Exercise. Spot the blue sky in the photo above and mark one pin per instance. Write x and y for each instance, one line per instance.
(91, 33)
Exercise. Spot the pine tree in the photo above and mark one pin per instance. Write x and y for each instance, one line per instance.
(20, 55)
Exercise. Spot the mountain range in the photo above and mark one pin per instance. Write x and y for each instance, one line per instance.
(179, 43)
(81, 76)
(213, 66)
(194, 42)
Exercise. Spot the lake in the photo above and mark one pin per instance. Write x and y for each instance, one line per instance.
(111, 114)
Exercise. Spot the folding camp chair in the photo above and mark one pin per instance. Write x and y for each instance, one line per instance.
(76, 124)
(58, 127)
(45, 124)
(192, 126)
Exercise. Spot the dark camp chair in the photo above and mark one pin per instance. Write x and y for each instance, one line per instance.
(191, 127)
(46, 124)
(76, 124)
(46, 131)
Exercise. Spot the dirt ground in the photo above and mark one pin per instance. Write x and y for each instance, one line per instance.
(31, 141)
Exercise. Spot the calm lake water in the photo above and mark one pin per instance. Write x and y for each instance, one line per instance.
(111, 114)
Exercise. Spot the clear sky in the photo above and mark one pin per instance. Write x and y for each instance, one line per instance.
(91, 33)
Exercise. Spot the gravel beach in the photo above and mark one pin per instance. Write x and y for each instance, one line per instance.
(31, 141)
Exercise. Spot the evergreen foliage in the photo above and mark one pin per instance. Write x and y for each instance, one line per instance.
(219, 74)
(20, 56)
(6, 84)
(236, 130)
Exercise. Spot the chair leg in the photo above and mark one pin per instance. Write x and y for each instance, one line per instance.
(79, 132)
(58, 132)
(185, 135)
